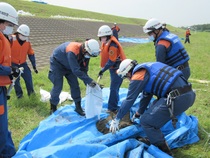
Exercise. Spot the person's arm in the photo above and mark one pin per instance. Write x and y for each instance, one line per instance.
(161, 50)
(144, 102)
(32, 60)
(31, 56)
(5, 70)
(76, 69)
(136, 86)
(118, 29)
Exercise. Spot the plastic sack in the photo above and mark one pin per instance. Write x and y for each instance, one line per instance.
(93, 101)
(45, 96)
(64, 96)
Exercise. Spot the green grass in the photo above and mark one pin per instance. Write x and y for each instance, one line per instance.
(26, 113)
(45, 11)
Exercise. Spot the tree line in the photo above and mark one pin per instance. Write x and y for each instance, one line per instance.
(202, 28)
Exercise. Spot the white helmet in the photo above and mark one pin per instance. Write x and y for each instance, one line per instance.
(104, 30)
(152, 25)
(8, 13)
(92, 47)
(125, 66)
(24, 30)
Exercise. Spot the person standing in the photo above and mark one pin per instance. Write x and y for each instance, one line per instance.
(8, 18)
(111, 56)
(115, 30)
(21, 48)
(168, 47)
(71, 60)
(187, 35)
(174, 96)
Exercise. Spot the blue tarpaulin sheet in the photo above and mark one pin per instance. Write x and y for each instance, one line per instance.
(67, 134)
(39, 1)
(133, 40)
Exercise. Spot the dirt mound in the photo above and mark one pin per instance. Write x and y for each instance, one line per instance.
(103, 125)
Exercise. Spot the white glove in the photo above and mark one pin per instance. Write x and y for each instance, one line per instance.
(114, 126)
(135, 116)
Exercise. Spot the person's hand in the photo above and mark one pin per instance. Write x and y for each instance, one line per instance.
(35, 70)
(114, 126)
(100, 74)
(15, 71)
(92, 84)
(135, 116)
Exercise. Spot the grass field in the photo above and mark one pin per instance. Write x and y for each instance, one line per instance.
(26, 113)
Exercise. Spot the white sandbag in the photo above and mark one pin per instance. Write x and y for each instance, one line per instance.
(93, 101)
(45, 96)
(64, 96)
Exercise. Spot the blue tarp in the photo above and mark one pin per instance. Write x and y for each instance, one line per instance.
(39, 1)
(133, 40)
(67, 134)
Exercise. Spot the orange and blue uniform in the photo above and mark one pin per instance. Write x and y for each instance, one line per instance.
(157, 79)
(170, 50)
(111, 56)
(115, 31)
(68, 60)
(6, 144)
(20, 51)
(187, 36)
(116, 28)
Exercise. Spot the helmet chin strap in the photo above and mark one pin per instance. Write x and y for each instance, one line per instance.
(156, 34)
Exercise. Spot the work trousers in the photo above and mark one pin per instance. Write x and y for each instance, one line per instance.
(115, 84)
(56, 74)
(158, 115)
(187, 40)
(7, 148)
(26, 75)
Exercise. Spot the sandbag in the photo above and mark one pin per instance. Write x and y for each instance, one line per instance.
(93, 101)
(45, 96)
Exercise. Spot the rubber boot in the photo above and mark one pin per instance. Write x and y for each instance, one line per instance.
(78, 109)
(165, 148)
(53, 108)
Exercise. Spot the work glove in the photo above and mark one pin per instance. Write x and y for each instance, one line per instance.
(92, 84)
(135, 116)
(100, 74)
(35, 70)
(15, 71)
(114, 126)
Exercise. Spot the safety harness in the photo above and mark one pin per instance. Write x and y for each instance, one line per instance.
(172, 95)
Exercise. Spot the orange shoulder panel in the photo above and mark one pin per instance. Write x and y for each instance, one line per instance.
(139, 75)
(73, 47)
(164, 43)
